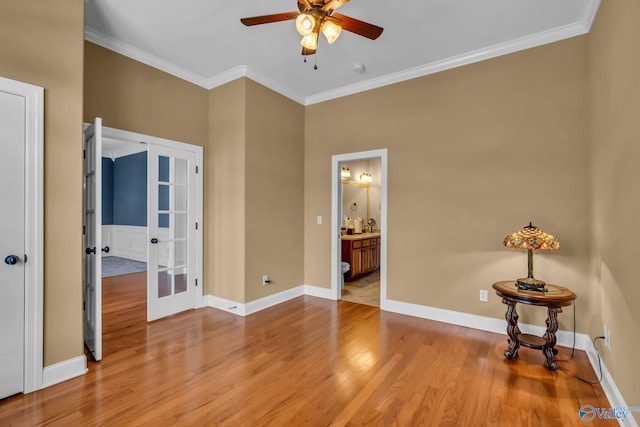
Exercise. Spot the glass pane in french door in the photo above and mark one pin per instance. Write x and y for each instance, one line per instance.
(173, 220)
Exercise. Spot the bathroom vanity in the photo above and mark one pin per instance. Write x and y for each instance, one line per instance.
(362, 252)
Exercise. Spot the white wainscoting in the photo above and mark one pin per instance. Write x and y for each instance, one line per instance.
(130, 242)
(126, 241)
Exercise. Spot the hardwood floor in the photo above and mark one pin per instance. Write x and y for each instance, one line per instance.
(306, 362)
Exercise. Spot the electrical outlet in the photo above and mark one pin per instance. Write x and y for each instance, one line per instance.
(607, 338)
(265, 280)
(484, 295)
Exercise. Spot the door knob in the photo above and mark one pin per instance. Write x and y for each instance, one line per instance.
(90, 250)
(154, 240)
(106, 249)
(11, 260)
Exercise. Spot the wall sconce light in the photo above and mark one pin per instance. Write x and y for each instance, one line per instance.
(366, 177)
(346, 173)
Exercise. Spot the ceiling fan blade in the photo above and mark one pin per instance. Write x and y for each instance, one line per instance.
(356, 26)
(332, 5)
(266, 19)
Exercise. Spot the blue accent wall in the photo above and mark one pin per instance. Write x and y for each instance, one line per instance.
(130, 190)
(107, 191)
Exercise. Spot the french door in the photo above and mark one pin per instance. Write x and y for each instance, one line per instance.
(171, 231)
(92, 205)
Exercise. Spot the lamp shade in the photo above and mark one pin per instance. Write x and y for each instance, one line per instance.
(531, 237)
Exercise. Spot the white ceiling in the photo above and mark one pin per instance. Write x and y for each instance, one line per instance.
(203, 41)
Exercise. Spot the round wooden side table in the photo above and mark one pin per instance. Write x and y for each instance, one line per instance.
(554, 299)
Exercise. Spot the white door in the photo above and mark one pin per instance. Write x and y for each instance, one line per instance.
(12, 247)
(171, 231)
(93, 238)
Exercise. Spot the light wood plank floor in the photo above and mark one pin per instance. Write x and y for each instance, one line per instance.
(306, 362)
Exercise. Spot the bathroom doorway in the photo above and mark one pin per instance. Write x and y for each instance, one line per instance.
(359, 232)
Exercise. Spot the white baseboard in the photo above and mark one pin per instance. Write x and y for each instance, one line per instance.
(609, 386)
(253, 306)
(63, 371)
(224, 305)
(315, 291)
(483, 323)
(271, 300)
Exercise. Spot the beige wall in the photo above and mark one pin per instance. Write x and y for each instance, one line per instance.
(274, 192)
(225, 230)
(615, 144)
(474, 154)
(132, 96)
(42, 45)
(257, 153)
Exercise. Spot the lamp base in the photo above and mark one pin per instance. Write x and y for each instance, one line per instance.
(531, 284)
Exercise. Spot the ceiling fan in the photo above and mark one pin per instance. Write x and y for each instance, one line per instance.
(316, 16)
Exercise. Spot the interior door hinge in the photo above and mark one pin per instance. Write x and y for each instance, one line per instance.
(196, 168)
(196, 282)
(25, 258)
(84, 154)
(196, 225)
(84, 229)
(84, 306)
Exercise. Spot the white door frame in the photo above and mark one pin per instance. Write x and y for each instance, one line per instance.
(336, 221)
(33, 295)
(137, 138)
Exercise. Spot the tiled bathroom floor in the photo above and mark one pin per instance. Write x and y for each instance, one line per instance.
(365, 290)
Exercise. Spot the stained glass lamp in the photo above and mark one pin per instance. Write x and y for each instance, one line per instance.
(531, 238)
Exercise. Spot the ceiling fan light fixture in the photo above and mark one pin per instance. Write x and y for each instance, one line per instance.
(331, 31)
(305, 24)
(310, 41)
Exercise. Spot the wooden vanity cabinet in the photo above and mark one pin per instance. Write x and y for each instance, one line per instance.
(363, 255)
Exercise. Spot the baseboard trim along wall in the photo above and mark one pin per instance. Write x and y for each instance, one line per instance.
(483, 323)
(63, 371)
(245, 309)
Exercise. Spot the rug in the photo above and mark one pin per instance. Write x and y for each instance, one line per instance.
(116, 266)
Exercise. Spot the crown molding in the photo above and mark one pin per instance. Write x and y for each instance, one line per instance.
(226, 76)
(265, 81)
(142, 56)
(561, 33)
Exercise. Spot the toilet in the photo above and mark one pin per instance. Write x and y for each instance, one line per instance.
(344, 267)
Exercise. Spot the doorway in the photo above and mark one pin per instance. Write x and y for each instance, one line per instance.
(21, 246)
(169, 238)
(360, 239)
(368, 257)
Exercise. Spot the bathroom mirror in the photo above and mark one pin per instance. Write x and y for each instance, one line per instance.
(356, 197)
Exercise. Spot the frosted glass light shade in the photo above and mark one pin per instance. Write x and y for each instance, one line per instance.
(331, 31)
(310, 41)
(305, 24)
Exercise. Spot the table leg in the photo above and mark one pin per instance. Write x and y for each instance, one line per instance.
(512, 329)
(549, 350)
